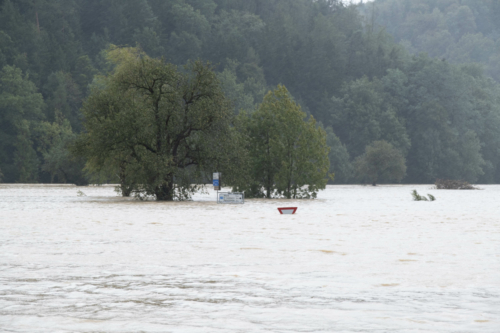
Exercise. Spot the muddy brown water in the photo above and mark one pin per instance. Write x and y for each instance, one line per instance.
(358, 259)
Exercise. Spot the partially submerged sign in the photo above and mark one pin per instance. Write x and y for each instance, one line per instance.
(231, 198)
(217, 181)
(287, 210)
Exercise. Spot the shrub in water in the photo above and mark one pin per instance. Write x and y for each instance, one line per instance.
(418, 197)
(449, 184)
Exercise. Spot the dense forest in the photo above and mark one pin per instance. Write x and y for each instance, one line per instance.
(456, 30)
(358, 70)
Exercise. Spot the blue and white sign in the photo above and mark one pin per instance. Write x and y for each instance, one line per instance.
(216, 181)
(231, 198)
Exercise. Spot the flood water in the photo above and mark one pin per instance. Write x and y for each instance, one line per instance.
(357, 259)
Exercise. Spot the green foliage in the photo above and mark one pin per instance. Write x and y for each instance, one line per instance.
(460, 31)
(161, 127)
(288, 156)
(381, 162)
(21, 108)
(54, 141)
(33, 147)
(364, 82)
(234, 90)
(418, 197)
(63, 96)
(443, 118)
(443, 122)
(84, 73)
(362, 116)
(340, 164)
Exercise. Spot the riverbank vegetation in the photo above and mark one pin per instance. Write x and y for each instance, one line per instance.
(355, 72)
(448, 184)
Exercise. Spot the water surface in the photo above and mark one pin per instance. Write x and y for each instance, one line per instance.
(358, 259)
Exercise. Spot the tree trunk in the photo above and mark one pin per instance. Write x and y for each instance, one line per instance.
(126, 190)
(124, 187)
(165, 191)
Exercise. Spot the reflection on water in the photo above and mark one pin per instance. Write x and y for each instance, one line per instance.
(359, 259)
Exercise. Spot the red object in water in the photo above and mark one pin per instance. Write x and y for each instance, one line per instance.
(287, 210)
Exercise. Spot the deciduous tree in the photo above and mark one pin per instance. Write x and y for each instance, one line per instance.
(288, 155)
(168, 125)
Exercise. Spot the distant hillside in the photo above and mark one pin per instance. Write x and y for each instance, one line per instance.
(337, 61)
(461, 31)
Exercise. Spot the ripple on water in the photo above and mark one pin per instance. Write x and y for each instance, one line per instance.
(101, 263)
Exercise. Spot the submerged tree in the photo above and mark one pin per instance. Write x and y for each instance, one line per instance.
(380, 162)
(159, 126)
(288, 155)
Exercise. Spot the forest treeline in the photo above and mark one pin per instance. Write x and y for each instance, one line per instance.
(339, 64)
(460, 31)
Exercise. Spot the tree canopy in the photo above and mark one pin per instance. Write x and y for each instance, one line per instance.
(455, 30)
(163, 127)
(288, 155)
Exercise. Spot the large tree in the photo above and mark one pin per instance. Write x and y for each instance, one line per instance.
(160, 126)
(288, 155)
